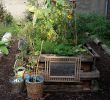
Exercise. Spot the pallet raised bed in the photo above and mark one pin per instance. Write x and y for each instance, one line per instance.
(78, 72)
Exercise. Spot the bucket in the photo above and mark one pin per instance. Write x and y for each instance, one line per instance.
(17, 85)
(35, 88)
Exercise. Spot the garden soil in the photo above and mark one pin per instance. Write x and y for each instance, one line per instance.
(103, 65)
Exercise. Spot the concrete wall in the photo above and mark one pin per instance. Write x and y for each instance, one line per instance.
(96, 6)
(18, 7)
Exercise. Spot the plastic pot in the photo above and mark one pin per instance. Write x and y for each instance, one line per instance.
(17, 85)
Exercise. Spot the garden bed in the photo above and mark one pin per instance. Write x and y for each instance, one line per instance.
(85, 79)
(102, 64)
(75, 70)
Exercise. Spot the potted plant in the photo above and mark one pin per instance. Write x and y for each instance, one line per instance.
(34, 82)
(17, 80)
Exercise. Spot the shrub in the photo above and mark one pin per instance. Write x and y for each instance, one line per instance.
(94, 24)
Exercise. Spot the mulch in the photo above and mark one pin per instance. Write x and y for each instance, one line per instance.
(103, 65)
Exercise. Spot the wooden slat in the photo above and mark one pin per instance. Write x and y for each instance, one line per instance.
(83, 75)
(63, 88)
(88, 58)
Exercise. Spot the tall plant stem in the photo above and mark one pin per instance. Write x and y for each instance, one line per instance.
(37, 67)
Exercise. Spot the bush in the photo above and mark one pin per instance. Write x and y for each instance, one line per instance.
(8, 19)
(94, 24)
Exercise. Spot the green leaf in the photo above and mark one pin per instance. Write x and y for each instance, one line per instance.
(2, 43)
(31, 8)
(4, 50)
(60, 2)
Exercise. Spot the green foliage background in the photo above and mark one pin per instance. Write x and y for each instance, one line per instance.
(94, 24)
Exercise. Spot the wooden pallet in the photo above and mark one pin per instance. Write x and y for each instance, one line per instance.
(82, 80)
(83, 86)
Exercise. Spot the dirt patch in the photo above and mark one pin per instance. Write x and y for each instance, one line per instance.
(103, 65)
(6, 72)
